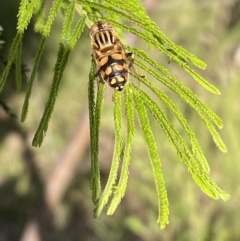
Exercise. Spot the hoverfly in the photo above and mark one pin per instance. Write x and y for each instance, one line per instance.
(112, 62)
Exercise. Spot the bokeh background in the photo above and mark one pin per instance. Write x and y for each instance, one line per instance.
(45, 193)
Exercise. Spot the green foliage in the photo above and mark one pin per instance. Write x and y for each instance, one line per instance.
(63, 54)
(14, 51)
(120, 189)
(26, 11)
(155, 160)
(95, 110)
(32, 77)
(18, 64)
(116, 155)
(114, 11)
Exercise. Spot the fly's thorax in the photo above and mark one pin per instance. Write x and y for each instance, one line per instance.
(104, 41)
(103, 37)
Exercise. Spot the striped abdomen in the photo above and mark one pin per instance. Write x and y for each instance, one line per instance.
(114, 70)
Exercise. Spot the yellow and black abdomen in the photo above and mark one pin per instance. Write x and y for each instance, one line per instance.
(115, 71)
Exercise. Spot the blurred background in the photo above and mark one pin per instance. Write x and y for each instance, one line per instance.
(45, 193)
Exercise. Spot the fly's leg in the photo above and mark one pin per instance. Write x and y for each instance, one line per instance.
(99, 77)
(130, 57)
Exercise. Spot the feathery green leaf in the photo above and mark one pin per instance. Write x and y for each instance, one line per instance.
(32, 77)
(155, 159)
(66, 31)
(116, 155)
(13, 51)
(201, 80)
(207, 185)
(198, 172)
(18, 64)
(77, 31)
(40, 15)
(63, 54)
(196, 148)
(96, 112)
(122, 183)
(203, 111)
(216, 137)
(52, 14)
(25, 14)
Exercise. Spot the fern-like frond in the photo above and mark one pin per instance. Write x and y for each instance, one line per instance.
(200, 79)
(207, 185)
(96, 112)
(32, 78)
(77, 31)
(197, 170)
(40, 15)
(204, 112)
(63, 54)
(91, 107)
(51, 16)
(66, 31)
(172, 134)
(12, 55)
(175, 85)
(196, 148)
(18, 65)
(195, 60)
(216, 137)
(26, 11)
(155, 159)
(204, 115)
(121, 187)
(22, 8)
(104, 198)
